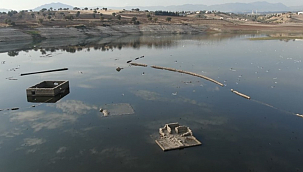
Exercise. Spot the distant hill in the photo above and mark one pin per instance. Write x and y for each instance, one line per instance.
(228, 7)
(261, 6)
(54, 6)
(248, 7)
(297, 8)
(4, 10)
(185, 7)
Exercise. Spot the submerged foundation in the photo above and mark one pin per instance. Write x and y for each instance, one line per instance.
(175, 136)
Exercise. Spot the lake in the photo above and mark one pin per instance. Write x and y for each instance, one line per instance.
(260, 134)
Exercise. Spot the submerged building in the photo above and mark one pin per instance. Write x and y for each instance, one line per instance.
(174, 136)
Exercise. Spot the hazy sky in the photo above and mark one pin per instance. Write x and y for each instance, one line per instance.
(30, 4)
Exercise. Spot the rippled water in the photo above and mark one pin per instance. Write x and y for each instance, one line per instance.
(261, 134)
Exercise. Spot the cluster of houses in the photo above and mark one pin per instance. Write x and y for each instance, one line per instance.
(185, 13)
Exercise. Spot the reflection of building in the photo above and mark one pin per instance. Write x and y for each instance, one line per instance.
(47, 91)
(174, 136)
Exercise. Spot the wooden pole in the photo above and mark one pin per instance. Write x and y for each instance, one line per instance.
(46, 71)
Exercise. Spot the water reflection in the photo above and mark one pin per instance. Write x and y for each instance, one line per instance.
(153, 96)
(39, 120)
(75, 107)
(49, 46)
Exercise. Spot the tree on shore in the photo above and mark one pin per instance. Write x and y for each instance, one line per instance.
(78, 14)
(119, 17)
(40, 21)
(155, 19)
(43, 9)
(168, 19)
(134, 19)
(70, 17)
(11, 13)
(13, 53)
(10, 22)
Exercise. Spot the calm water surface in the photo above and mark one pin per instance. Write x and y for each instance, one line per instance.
(261, 134)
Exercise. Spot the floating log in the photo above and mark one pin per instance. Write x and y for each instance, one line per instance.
(157, 67)
(240, 94)
(299, 115)
(138, 64)
(188, 73)
(46, 71)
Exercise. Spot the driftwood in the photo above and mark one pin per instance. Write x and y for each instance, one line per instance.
(240, 94)
(138, 64)
(188, 73)
(46, 71)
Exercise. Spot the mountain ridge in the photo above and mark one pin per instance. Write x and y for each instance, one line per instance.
(237, 7)
(261, 6)
(54, 5)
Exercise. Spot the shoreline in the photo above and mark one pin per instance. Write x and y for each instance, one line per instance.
(71, 38)
(11, 34)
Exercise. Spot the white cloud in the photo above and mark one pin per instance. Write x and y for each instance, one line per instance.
(41, 119)
(38, 120)
(149, 95)
(31, 151)
(85, 86)
(75, 107)
(13, 133)
(33, 141)
(26, 116)
(53, 121)
(61, 150)
(213, 89)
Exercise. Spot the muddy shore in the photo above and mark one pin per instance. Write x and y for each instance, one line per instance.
(8, 34)
(11, 34)
(16, 38)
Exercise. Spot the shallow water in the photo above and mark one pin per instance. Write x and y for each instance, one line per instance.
(261, 134)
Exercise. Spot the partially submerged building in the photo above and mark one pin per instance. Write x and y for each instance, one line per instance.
(174, 136)
(47, 91)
